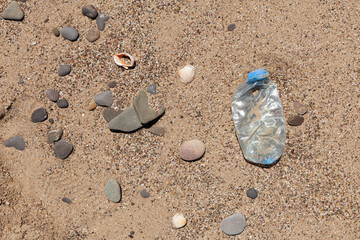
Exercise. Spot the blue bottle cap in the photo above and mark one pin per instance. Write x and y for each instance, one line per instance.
(257, 75)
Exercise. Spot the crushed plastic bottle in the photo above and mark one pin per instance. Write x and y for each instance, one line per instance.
(259, 119)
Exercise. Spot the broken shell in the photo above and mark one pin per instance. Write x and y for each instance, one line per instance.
(187, 74)
(178, 221)
(118, 58)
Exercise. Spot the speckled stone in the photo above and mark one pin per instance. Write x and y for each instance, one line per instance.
(69, 33)
(13, 12)
(52, 94)
(63, 149)
(127, 121)
(231, 27)
(152, 89)
(295, 120)
(300, 108)
(110, 113)
(157, 130)
(192, 150)
(62, 103)
(112, 190)
(39, 115)
(233, 225)
(15, 142)
(93, 35)
(54, 135)
(56, 32)
(104, 99)
(64, 70)
(89, 11)
(144, 193)
(141, 106)
(101, 20)
(251, 193)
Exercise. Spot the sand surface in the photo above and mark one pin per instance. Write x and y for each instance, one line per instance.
(310, 48)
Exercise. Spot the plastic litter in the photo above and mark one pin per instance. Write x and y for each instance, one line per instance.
(259, 119)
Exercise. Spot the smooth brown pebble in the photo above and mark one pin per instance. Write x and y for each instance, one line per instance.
(295, 120)
(192, 150)
(93, 35)
(157, 130)
(92, 106)
(300, 108)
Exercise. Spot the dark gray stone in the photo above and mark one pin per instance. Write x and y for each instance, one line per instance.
(15, 142)
(110, 113)
(54, 135)
(66, 200)
(62, 103)
(112, 190)
(141, 106)
(251, 193)
(127, 121)
(152, 88)
(112, 84)
(104, 99)
(89, 11)
(13, 12)
(231, 27)
(56, 32)
(233, 225)
(64, 70)
(295, 120)
(39, 115)
(63, 149)
(52, 94)
(144, 193)
(101, 20)
(69, 33)
(51, 121)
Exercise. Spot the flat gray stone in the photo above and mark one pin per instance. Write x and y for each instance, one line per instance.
(141, 106)
(157, 130)
(127, 121)
(15, 142)
(39, 115)
(89, 11)
(251, 193)
(112, 190)
(62, 103)
(69, 33)
(93, 35)
(64, 70)
(152, 89)
(110, 113)
(144, 193)
(231, 27)
(233, 225)
(54, 135)
(295, 120)
(101, 20)
(52, 94)
(104, 99)
(13, 12)
(66, 200)
(63, 149)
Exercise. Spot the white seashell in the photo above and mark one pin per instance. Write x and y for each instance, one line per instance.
(187, 74)
(178, 221)
(118, 60)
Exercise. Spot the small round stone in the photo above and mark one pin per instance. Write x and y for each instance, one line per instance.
(251, 193)
(101, 20)
(39, 115)
(89, 11)
(52, 94)
(231, 27)
(104, 99)
(69, 33)
(63, 149)
(233, 225)
(112, 190)
(51, 121)
(64, 70)
(66, 200)
(192, 150)
(15, 142)
(54, 135)
(62, 103)
(112, 84)
(295, 120)
(300, 108)
(144, 193)
(56, 32)
(152, 89)
(93, 35)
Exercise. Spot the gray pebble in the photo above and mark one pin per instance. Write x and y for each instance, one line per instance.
(144, 193)
(231, 27)
(104, 99)
(39, 115)
(110, 113)
(63, 149)
(112, 190)
(157, 130)
(54, 136)
(15, 142)
(62, 103)
(21, 80)
(51, 121)
(295, 120)
(141, 106)
(233, 225)
(69, 33)
(89, 11)
(152, 88)
(56, 32)
(66, 200)
(13, 12)
(52, 94)
(64, 70)
(101, 20)
(251, 193)
(93, 35)
(127, 121)
(112, 84)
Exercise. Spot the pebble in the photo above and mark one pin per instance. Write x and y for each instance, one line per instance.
(56, 32)
(66, 200)
(144, 193)
(51, 121)
(295, 120)
(112, 84)
(112, 190)
(13, 12)
(104, 99)
(141, 106)
(89, 11)
(127, 121)
(64, 70)
(152, 89)
(110, 113)
(101, 20)
(63, 149)
(251, 193)
(93, 35)
(52, 94)
(157, 130)
(92, 106)
(300, 108)
(233, 225)
(39, 115)
(15, 142)
(178, 221)
(54, 135)
(231, 27)
(192, 150)
(62, 103)
(2, 112)
(69, 33)
(21, 80)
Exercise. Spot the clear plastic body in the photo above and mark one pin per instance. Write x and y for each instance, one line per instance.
(259, 121)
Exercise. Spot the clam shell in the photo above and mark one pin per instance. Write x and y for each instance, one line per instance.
(187, 74)
(178, 221)
(118, 60)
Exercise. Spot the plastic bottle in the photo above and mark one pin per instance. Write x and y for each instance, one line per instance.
(259, 119)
